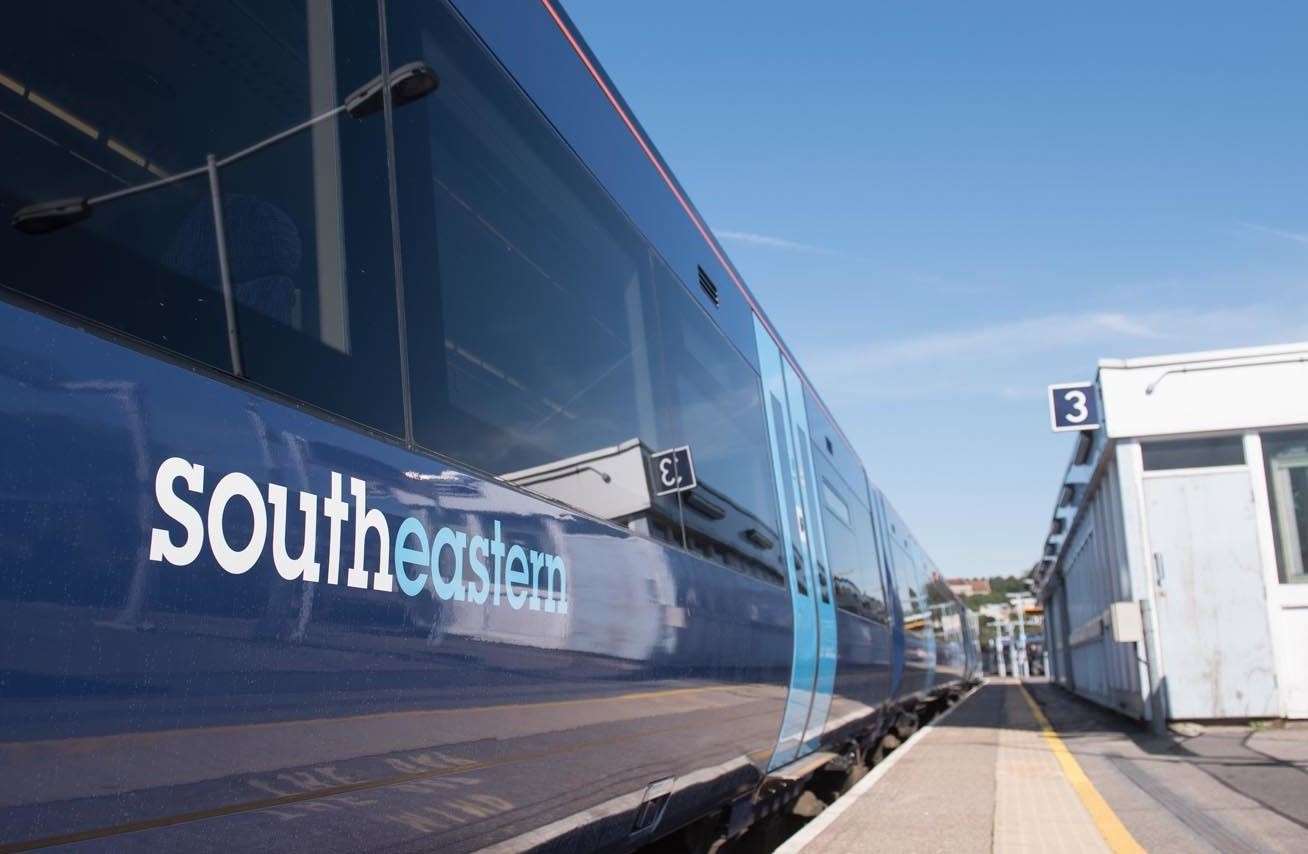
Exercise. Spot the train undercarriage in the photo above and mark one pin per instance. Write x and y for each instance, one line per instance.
(795, 794)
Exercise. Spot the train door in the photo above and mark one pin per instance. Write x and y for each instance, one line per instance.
(895, 607)
(819, 563)
(782, 399)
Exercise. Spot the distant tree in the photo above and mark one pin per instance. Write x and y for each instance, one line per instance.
(992, 598)
(1000, 587)
(1007, 584)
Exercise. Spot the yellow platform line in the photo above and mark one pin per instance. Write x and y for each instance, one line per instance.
(1110, 827)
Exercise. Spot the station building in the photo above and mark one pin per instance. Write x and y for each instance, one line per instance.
(1177, 555)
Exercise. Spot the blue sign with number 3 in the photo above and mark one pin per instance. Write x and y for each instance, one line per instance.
(1073, 406)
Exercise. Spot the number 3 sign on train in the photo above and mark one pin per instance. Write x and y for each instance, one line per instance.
(673, 471)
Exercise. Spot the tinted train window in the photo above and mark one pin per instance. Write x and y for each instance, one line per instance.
(850, 546)
(828, 442)
(944, 614)
(834, 504)
(549, 345)
(715, 406)
(306, 218)
(529, 299)
(911, 581)
(843, 552)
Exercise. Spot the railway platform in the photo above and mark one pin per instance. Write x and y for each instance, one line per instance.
(1021, 767)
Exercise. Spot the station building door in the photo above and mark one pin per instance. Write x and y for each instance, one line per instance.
(1210, 594)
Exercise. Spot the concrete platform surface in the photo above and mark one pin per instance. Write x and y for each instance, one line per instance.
(1020, 768)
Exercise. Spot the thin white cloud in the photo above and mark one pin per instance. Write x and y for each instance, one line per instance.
(1015, 359)
(751, 238)
(1010, 392)
(1023, 336)
(1124, 325)
(1293, 236)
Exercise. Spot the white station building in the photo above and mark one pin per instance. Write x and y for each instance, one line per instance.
(1177, 556)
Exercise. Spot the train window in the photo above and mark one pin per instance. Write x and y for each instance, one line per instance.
(111, 216)
(909, 582)
(1193, 453)
(528, 294)
(842, 456)
(834, 504)
(873, 581)
(850, 549)
(712, 401)
(549, 345)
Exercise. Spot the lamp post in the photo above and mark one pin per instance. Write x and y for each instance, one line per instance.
(1021, 632)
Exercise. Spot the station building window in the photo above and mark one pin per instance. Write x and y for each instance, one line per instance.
(1204, 452)
(121, 129)
(1285, 455)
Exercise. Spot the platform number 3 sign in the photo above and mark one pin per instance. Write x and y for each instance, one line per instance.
(1073, 406)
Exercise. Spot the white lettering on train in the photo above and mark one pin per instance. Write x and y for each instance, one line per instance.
(515, 574)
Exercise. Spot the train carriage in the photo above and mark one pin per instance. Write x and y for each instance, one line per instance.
(393, 459)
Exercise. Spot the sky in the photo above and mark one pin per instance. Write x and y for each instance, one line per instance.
(946, 206)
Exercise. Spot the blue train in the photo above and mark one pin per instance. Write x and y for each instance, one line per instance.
(393, 460)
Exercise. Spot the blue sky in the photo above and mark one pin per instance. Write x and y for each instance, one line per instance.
(946, 206)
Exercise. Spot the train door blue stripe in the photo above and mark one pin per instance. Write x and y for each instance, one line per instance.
(823, 597)
(803, 661)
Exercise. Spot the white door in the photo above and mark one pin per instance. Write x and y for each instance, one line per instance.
(1212, 604)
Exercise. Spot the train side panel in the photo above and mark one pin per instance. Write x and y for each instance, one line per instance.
(142, 683)
(242, 605)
